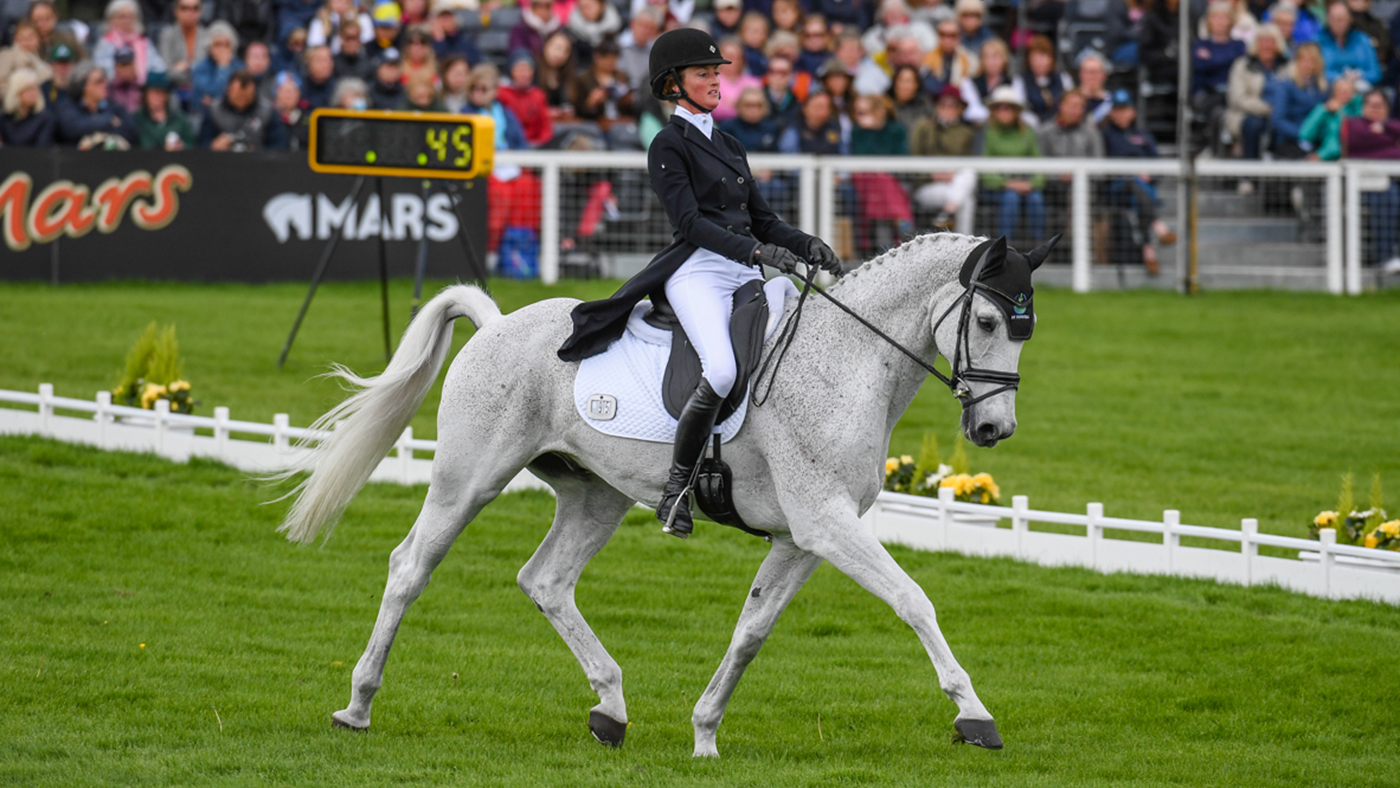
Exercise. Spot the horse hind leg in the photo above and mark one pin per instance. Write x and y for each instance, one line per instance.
(459, 491)
(588, 512)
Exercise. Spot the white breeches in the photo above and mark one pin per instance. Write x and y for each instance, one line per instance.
(701, 292)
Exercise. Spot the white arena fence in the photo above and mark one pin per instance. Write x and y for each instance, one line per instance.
(1322, 568)
(1299, 225)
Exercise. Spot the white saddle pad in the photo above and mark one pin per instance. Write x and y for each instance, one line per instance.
(618, 391)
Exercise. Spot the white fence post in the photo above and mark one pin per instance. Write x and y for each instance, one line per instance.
(221, 431)
(1335, 248)
(405, 455)
(162, 411)
(281, 441)
(1081, 272)
(104, 401)
(807, 199)
(1020, 504)
(1249, 549)
(1353, 231)
(945, 497)
(549, 223)
(826, 200)
(1094, 532)
(1328, 539)
(1171, 518)
(46, 409)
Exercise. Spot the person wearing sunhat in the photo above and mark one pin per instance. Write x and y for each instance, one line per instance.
(1006, 134)
(724, 233)
(159, 125)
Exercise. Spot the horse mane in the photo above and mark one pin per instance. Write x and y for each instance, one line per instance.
(919, 243)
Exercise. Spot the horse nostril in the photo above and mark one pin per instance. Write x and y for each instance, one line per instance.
(988, 431)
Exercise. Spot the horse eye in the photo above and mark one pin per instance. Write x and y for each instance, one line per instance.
(986, 323)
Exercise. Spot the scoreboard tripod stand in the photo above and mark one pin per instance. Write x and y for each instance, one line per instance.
(378, 145)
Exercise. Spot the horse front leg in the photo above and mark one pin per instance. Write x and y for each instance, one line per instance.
(784, 571)
(845, 541)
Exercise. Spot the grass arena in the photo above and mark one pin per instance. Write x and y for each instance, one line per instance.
(159, 631)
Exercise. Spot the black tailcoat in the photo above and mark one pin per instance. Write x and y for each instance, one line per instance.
(712, 200)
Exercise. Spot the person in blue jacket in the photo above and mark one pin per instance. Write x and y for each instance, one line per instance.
(1346, 50)
(1292, 96)
(1124, 139)
(1212, 57)
(724, 233)
(89, 112)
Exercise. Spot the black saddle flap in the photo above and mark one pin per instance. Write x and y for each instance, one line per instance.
(746, 328)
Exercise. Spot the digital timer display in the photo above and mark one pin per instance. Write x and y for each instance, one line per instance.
(404, 144)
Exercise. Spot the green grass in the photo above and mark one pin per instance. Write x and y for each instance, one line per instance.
(1225, 406)
(1095, 680)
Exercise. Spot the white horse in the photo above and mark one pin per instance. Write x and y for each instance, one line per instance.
(806, 465)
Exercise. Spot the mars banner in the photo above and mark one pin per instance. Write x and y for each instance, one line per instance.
(72, 216)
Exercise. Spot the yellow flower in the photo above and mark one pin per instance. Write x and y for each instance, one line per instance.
(905, 459)
(1325, 520)
(891, 465)
(1371, 540)
(150, 394)
(1391, 528)
(179, 385)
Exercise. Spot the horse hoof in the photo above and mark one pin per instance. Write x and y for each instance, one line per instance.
(608, 731)
(339, 720)
(981, 733)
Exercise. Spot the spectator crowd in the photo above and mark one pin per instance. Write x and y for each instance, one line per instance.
(1270, 79)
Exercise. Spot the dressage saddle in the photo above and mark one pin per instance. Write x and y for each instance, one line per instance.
(748, 322)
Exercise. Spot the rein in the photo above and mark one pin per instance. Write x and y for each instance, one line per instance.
(956, 382)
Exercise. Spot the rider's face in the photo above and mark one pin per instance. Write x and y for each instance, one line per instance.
(701, 84)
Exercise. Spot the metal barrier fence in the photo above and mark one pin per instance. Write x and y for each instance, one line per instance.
(1305, 225)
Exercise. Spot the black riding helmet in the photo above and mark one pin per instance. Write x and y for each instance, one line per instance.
(678, 49)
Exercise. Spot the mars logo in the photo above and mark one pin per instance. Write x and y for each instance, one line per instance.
(409, 217)
(74, 210)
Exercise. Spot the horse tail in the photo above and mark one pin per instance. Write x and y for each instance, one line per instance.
(363, 428)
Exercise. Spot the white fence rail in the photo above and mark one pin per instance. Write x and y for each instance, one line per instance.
(1334, 204)
(1324, 569)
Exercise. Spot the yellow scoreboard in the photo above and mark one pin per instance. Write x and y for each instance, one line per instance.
(402, 144)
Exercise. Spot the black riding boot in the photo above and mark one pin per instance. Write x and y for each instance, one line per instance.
(696, 422)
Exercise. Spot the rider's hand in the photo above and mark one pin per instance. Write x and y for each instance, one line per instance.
(822, 255)
(776, 256)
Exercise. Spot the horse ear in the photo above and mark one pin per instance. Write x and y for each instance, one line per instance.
(996, 256)
(1037, 255)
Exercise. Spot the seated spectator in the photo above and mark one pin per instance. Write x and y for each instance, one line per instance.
(420, 94)
(558, 74)
(351, 93)
(159, 124)
(257, 61)
(1006, 134)
(124, 29)
(1286, 16)
(1042, 85)
(1247, 111)
(911, 103)
(26, 122)
(1362, 19)
(837, 83)
(602, 92)
(288, 56)
(61, 60)
(876, 133)
(515, 190)
(387, 21)
(753, 31)
(386, 90)
(734, 78)
(87, 119)
(1212, 56)
(352, 60)
(902, 48)
(752, 125)
(816, 45)
(124, 88)
(448, 39)
(591, 22)
(288, 128)
(44, 17)
(786, 15)
(537, 22)
(524, 98)
(946, 134)
(816, 130)
(252, 19)
(24, 53)
(950, 62)
(843, 16)
(1291, 98)
(896, 15)
(849, 51)
(1093, 79)
(1070, 135)
(728, 13)
(456, 78)
(1322, 129)
(972, 15)
(238, 121)
(778, 85)
(880, 199)
(782, 44)
(635, 58)
(996, 60)
(1375, 136)
(484, 82)
(678, 12)
(1242, 22)
(1124, 139)
(319, 83)
(415, 12)
(1346, 51)
(211, 75)
(418, 54)
(1158, 42)
(324, 29)
(294, 14)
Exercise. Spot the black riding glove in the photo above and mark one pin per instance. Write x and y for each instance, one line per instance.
(775, 256)
(822, 255)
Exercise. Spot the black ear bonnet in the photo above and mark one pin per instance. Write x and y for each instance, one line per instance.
(1005, 278)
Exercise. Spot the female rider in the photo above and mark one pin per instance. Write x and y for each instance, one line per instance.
(724, 233)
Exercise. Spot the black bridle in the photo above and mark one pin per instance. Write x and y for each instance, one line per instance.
(962, 349)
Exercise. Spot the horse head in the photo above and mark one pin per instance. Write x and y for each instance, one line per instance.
(981, 332)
